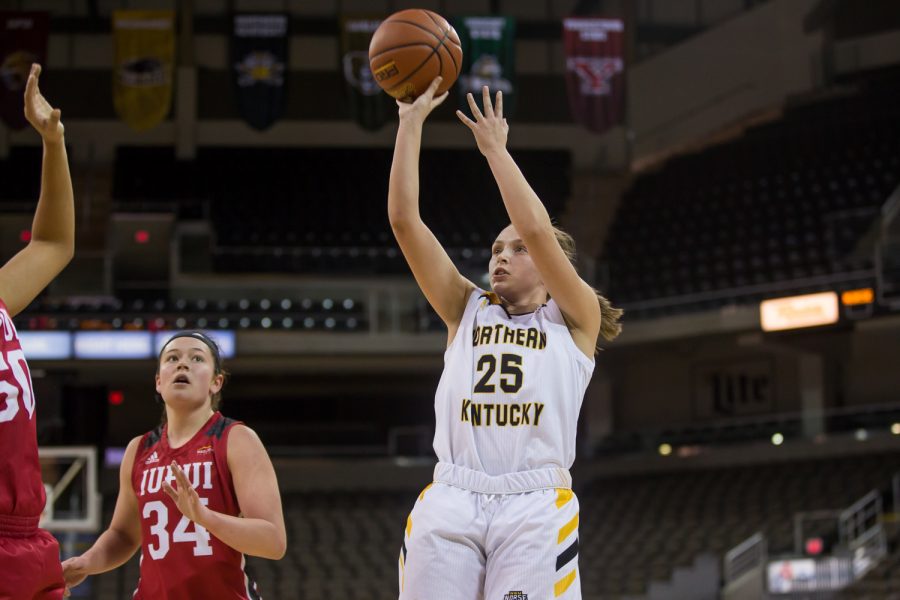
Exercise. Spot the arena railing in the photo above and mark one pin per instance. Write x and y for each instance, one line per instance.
(895, 488)
(746, 556)
(861, 530)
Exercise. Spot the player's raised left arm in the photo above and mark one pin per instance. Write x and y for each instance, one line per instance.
(259, 530)
(52, 242)
(577, 301)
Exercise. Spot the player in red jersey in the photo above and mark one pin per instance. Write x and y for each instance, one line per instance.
(195, 494)
(29, 557)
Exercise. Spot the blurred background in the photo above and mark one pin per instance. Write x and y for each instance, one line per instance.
(730, 170)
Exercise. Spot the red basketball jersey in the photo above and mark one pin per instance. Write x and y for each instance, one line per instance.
(21, 490)
(180, 560)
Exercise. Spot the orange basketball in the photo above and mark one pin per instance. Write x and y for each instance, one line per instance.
(412, 47)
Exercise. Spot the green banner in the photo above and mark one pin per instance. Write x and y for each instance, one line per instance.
(369, 106)
(488, 45)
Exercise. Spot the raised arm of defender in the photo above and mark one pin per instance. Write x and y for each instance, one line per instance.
(52, 242)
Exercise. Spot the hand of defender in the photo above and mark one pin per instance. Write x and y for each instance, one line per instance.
(38, 111)
(424, 104)
(74, 572)
(185, 496)
(490, 129)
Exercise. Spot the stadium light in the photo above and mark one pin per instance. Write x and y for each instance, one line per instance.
(777, 439)
(895, 428)
(665, 449)
(810, 310)
(861, 435)
(815, 546)
(857, 297)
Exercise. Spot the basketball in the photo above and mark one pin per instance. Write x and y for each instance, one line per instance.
(412, 47)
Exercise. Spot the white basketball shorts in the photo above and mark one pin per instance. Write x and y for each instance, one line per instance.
(486, 544)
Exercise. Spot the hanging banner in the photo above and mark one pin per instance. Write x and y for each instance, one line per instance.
(595, 71)
(259, 56)
(488, 49)
(368, 105)
(144, 64)
(23, 41)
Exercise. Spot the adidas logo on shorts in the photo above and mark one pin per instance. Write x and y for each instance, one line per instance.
(153, 458)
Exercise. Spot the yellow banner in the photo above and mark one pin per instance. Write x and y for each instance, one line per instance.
(145, 59)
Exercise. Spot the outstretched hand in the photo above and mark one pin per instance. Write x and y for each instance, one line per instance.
(185, 496)
(423, 105)
(43, 117)
(490, 129)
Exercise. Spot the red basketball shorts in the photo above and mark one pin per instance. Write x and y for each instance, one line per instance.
(29, 565)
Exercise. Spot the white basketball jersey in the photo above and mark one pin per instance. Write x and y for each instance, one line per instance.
(511, 390)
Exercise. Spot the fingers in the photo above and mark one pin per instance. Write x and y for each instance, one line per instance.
(31, 84)
(182, 479)
(179, 478)
(54, 119)
(474, 107)
(439, 100)
(498, 106)
(432, 89)
(168, 489)
(465, 120)
(486, 101)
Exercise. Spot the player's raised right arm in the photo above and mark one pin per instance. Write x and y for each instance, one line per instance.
(52, 242)
(443, 285)
(123, 537)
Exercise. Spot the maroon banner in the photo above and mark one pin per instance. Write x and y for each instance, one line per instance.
(23, 41)
(595, 71)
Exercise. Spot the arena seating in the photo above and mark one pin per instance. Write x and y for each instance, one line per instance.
(788, 201)
(150, 178)
(330, 314)
(633, 530)
(20, 173)
(324, 210)
(638, 529)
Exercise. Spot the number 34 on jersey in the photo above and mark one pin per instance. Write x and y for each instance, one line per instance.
(158, 513)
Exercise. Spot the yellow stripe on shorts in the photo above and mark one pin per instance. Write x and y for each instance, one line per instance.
(422, 495)
(563, 496)
(560, 587)
(566, 529)
(408, 525)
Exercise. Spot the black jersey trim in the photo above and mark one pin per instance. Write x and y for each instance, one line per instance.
(219, 427)
(153, 437)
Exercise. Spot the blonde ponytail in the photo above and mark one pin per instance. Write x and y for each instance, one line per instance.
(610, 327)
